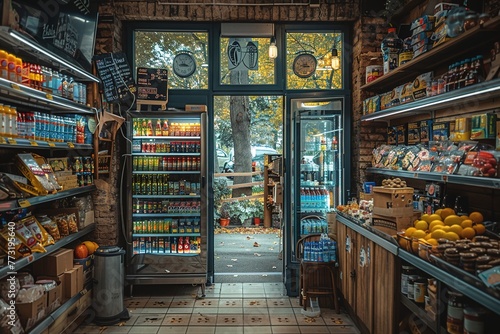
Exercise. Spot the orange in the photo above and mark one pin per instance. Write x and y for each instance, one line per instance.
(457, 229)
(468, 233)
(476, 217)
(447, 212)
(479, 228)
(466, 223)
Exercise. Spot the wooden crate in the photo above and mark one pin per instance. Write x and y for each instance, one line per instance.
(391, 225)
(395, 202)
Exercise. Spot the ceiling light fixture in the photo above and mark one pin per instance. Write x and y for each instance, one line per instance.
(273, 49)
(335, 59)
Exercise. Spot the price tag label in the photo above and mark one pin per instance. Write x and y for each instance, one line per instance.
(12, 141)
(49, 96)
(33, 143)
(15, 86)
(2, 140)
(24, 203)
(71, 145)
(51, 144)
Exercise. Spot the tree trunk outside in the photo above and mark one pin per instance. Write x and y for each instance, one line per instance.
(240, 124)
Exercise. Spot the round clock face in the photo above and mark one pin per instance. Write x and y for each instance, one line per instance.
(304, 65)
(184, 65)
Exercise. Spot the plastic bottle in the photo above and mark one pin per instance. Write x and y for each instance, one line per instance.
(391, 46)
(4, 71)
(19, 70)
(11, 66)
(3, 119)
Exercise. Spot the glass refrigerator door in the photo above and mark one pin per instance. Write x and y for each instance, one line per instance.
(167, 226)
(317, 166)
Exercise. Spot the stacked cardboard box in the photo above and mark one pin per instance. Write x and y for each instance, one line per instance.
(392, 208)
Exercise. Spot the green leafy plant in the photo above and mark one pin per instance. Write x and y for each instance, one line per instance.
(220, 192)
(225, 210)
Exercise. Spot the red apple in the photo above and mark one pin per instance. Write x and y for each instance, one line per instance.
(492, 172)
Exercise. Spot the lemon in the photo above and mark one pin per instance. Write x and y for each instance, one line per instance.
(452, 236)
(435, 223)
(432, 241)
(409, 231)
(418, 234)
(422, 225)
(445, 228)
(438, 234)
(452, 220)
(437, 227)
(438, 211)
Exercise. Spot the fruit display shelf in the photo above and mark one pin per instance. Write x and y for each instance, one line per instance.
(461, 281)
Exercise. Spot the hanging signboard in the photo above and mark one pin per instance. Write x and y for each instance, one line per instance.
(116, 76)
(152, 87)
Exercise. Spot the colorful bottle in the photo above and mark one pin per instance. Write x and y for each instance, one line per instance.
(11, 67)
(19, 70)
(391, 47)
(4, 69)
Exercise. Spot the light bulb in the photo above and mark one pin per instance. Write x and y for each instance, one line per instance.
(273, 49)
(335, 60)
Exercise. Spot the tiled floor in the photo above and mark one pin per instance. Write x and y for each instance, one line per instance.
(232, 308)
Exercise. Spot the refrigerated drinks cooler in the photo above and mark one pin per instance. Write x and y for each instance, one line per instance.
(316, 171)
(167, 227)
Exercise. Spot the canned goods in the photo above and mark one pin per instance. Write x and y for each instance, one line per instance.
(411, 286)
(407, 271)
(474, 318)
(419, 290)
(455, 314)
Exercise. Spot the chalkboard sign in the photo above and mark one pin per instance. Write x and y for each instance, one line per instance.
(152, 86)
(116, 76)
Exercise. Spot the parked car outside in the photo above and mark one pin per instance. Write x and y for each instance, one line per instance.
(222, 158)
(258, 153)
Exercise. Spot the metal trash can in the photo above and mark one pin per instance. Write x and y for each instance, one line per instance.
(108, 285)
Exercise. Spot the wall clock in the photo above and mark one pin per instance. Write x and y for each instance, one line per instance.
(184, 65)
(304, 65)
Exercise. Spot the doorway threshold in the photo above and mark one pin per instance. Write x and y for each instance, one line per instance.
(249, 274)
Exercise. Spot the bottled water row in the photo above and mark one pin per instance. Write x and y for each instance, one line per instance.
(314, 199)
(308, 226)
(324, 250)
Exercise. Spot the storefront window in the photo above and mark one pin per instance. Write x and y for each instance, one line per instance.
(184, 54)
(309, 60)
(246, 61)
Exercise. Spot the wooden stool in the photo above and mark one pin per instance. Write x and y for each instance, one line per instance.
(306, 276)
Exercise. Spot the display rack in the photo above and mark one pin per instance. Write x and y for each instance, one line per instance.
(476, 181)
(439, 55)
(38, 100)
(469, 290)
